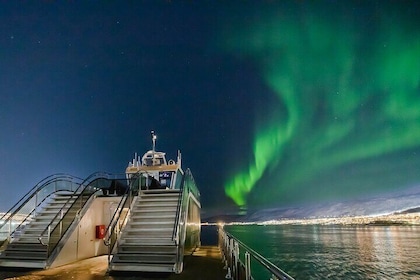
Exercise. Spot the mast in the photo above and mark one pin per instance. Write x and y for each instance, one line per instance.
(153, 146)
(153, 140)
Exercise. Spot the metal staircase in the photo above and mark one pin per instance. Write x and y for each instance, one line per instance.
(25, 249)
(147, 243)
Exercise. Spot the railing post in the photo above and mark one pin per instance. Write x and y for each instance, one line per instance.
(49, 234)
(36, 202)
(10, 226)
(247, 266)
(61, 221)
(237, 261)
(235, 268)
(231, 256)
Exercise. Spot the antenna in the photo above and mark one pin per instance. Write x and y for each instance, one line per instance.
(153, 140)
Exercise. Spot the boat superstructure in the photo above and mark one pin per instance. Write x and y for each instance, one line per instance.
(163, 222)
(145, 219)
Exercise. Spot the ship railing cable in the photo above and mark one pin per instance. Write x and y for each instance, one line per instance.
(64, 218)
(116, 225)
(26, 208)
(238, 269)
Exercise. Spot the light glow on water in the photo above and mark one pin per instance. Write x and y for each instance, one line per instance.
(335, 251)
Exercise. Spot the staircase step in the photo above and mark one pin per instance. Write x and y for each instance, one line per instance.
(147, 249)
(146, 240)
(40, 222)
(155, 209)
(145, 258)
(43, 217)
(63, 198)
(153, 223)
(22, 263)
(158, 223)
(142, 267)
(33, 246)
(158, 209)
(157, 192)
(25, 250)
(157, 204)
(146, 243)
(158, 198)
(27, 239)
(150, 216)
(154, 215)
(150, 231)
(23, 255)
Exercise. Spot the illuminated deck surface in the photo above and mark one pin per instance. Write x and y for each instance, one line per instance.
(206, 263)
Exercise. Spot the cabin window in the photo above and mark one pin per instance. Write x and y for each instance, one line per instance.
(165, 178)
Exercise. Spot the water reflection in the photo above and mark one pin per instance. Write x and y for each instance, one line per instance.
(338, 252)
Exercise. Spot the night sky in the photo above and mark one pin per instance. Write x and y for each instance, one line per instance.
(279, 103)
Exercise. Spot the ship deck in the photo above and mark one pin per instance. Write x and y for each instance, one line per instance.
(205, 263)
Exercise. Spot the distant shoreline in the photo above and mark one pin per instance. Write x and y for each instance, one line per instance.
(399, 218)
(377, 220)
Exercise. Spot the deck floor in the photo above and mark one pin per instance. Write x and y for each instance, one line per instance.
(203, 264)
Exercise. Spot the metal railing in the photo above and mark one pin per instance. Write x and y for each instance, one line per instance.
(241, 270)
(28, 206)
(175, 231)
(179, 231)
(180, 227)
(187, 186)
(62, 221)
(119, 219)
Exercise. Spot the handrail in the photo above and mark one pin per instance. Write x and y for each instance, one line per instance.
(63, 220)
(190, 187)
(32, 191)
(230, 248)
(178, 207)
(30, 202)
(110, 235)
(187, 186)
(29, 215)
(69, 199)
(181, 227)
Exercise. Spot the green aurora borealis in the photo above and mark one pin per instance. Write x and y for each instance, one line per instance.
(346, 116)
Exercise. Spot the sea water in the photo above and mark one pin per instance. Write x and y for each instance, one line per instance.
(335, 251)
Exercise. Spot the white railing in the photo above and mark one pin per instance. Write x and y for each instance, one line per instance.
(238, 269)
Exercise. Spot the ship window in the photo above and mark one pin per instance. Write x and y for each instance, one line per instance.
(148, 162)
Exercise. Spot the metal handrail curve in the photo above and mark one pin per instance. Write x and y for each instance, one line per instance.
(47, 180)
(115, 219)
(28, 198)
(30, 214)
(60, 216)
